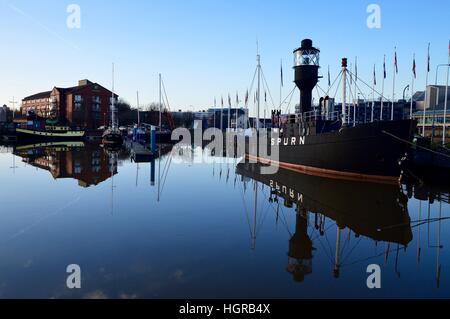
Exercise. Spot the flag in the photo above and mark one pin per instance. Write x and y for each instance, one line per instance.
(329, 77)
(414, 66)
(374, 76)
(395, 61)
(282, 81)
(429, 60)
(384, 67)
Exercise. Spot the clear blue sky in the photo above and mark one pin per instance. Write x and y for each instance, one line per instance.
(205, 48)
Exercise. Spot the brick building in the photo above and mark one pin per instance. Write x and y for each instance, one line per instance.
(86, 105)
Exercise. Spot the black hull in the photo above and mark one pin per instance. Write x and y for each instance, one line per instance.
(371, 151)
(112, 139)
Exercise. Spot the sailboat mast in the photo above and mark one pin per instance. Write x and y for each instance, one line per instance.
(160, 102)
(258, 58)
(113, 106)
(138, 113)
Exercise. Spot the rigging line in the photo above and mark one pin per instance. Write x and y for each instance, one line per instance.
(262, 220)
(287, 97)
(165, 94)
(253, 82)
(283, 220)
(351, 251)
(326, 230)
(370, 87)
(246, 211)
(334, 82)
(374, 256)
(270, 94)
(418, 146)
(323, 91)
(360, 91)
(329, 244)
(418, 222)
(337, 87)
(166, 173)
(323, 246)
(290, 101)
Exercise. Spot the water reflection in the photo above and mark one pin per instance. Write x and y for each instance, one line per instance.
(376, 211)
(323, 228)
(89, 165)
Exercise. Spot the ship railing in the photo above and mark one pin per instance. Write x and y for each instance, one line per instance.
(316, 115)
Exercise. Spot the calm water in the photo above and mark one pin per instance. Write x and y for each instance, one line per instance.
(210, 230)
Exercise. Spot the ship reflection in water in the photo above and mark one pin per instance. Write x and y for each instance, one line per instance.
(375, 211)
(320, 232)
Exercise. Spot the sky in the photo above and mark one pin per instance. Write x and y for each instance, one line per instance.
(207, 48)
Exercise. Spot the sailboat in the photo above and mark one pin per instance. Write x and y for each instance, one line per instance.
(112, 136)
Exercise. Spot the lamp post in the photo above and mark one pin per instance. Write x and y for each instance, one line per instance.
(437, 70)
(437, 96)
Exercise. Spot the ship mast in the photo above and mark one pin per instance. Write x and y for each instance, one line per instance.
(344, 91)
(258, 59)
(160, 102)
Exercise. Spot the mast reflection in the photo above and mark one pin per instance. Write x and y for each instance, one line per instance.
(376, 211)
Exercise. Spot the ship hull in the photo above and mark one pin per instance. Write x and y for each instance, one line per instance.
(371, 151)
(37, 135)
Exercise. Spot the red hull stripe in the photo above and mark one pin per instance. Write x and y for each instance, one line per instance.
(328, 173)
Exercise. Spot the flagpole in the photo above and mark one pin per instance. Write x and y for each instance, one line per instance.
(373, 95)
(356, 94)
(382, 88)
(281, 83)
(237, 110)
(221, 115)
(426, 91)
(229, 111)
(444, 129)
(393, 85)
(412, 87)
(215, 107)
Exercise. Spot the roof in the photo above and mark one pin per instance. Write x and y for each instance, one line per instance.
(69, 90)
(41, 95)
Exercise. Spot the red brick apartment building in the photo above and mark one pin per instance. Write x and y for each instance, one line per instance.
(86, 105)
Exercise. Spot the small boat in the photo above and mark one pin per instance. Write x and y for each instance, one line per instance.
(112, 137)
(53, 133)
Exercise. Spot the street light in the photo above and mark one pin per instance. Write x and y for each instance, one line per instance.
(437, 69)
(404, 91)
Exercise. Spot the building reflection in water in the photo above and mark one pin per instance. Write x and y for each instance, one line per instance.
(88, 164)
(376, 211)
